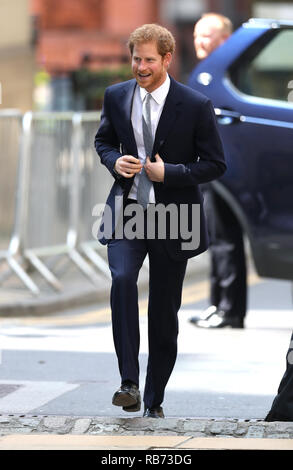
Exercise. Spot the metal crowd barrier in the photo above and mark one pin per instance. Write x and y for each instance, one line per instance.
(10, 132)
(58, 183)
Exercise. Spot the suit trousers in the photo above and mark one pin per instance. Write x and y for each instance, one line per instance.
(228, 288)
(165, 289)
(282, 406)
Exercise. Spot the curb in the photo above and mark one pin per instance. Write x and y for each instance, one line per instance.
(106, 426)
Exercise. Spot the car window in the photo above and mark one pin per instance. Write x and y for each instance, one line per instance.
(266, 69)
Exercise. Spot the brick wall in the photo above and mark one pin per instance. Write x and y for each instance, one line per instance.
(70, 14)
(69, 29)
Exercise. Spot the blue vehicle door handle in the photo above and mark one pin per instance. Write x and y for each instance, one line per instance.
(226, 117)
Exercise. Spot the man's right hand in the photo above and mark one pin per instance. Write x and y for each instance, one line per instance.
(128, 166)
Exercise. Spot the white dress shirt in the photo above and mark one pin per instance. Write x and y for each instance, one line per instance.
(158, 98)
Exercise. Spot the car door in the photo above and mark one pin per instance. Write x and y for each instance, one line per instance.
(250, 80)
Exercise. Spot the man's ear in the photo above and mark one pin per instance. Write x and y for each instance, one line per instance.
(168, 59)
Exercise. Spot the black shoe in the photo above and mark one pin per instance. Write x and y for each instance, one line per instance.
(153, 412)
(221, 320)
(205, 315)
(127, 396)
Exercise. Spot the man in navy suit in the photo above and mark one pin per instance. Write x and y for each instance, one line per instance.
(159, 140)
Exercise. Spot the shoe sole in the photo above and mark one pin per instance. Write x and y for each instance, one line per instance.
(133, 408)
(124, 399)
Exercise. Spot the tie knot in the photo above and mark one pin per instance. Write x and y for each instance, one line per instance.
(147, 98)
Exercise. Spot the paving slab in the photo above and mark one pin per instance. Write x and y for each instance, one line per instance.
(37, 442)
(219, 443)
(74, 442)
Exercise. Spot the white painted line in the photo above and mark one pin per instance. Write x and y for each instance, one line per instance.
(260, 325)
(32, 395)
(40, 339)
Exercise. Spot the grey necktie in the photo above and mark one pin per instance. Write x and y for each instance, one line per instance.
(144, 184)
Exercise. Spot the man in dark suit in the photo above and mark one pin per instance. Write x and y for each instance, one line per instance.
(159, 140)
(228, 286)
(282, 406)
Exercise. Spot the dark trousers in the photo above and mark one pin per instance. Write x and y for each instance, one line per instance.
(165, 288)
(228, 288)
(282, 407)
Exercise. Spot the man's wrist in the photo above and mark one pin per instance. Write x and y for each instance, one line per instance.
(116, 172)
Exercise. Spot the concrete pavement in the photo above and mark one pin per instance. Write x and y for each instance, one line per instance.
(84, 432)
(130, 443)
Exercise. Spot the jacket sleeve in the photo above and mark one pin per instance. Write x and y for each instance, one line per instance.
(106, 141)
(209, 163)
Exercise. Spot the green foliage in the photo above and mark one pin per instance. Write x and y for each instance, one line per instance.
(91, 85)
(41, 78)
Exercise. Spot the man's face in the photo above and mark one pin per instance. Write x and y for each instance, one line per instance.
(148, 66)
(207, 37)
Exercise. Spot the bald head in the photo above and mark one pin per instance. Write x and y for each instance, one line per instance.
(210, 32)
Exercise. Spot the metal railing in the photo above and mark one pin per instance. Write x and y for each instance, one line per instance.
(57, 181)
(10, 132)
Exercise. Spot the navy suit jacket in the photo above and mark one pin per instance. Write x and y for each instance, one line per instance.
(186, 139)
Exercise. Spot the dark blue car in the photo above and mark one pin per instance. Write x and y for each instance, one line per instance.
(250, 82)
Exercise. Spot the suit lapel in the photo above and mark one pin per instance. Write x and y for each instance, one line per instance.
(126, 105)
(168, 117)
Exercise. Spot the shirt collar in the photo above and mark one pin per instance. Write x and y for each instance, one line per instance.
(160, 93)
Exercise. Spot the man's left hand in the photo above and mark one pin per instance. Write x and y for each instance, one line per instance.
(155, 170)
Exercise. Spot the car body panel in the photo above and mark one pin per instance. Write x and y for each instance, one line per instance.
(257, 135)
